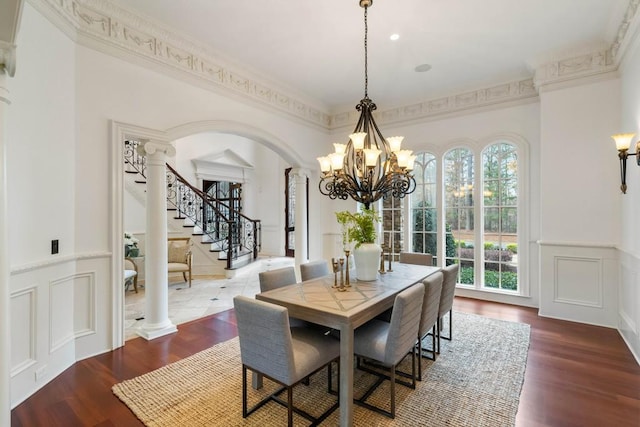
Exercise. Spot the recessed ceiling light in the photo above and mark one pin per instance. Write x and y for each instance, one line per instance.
(422, 68)
(394, 36)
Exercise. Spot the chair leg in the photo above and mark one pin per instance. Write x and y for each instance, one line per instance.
(244, 391)
(392, 375)
(135, 283)
(290, 406)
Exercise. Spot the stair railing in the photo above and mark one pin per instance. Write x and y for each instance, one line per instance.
(235, 237)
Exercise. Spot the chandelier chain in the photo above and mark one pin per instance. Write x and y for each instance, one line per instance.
(366, 74)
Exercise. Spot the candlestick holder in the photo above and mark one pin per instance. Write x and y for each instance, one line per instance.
(390, 269)
(381, 270)
(336, 268)
(347, 282)
(341, 288)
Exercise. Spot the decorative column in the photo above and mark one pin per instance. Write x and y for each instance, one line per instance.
(301, 233)
(5, 294)
(156, 322)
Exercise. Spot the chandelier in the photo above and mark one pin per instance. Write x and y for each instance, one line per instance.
(368, 166)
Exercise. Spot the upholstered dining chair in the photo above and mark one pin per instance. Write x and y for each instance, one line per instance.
(429, 318)
(285, 355)
(449, 280)
(416, 258)
(388, 343)
(314, 269)
(274, 279)
(179, 256)
(130, 274)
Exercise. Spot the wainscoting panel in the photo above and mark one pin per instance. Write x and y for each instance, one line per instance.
(84, 305)
(629, 301)
(61, 313)
(23, 317)
(578, 282)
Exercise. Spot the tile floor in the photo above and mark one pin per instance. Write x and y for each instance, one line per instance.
(205, 297)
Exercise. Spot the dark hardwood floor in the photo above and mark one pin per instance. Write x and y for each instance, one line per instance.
(577, 375)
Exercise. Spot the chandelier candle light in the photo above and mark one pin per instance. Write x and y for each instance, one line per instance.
(368, 166)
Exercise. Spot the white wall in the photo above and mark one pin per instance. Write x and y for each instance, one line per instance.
(629, 229)
(579, 210)
(41, 172)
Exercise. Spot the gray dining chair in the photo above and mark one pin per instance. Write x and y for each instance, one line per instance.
(388, 343)
(416, 258)
(450, 278)
(285, 355)
(314, 269)
(274, 279)
(429, 318)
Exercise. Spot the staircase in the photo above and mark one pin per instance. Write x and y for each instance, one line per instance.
(235, 237)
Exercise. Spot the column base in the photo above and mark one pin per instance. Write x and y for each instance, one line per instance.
(150, 332)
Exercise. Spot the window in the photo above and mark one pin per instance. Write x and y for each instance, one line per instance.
(392, 226)
(424, 209)
(479, 228)
(500, 216)
(459, 211)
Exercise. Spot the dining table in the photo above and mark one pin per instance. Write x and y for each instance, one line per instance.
(323, 302)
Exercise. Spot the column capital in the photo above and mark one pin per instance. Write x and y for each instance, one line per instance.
(7, 58)
(153, 147)
(300, 172)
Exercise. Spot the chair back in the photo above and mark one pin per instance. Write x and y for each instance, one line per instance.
(449, 280)
(179, 249)
(430, 303)
(274, 279)
(405, 321)
(314, 269)
(265, 338)
(416, 258)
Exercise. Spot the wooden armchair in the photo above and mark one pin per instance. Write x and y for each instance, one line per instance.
(179, 257)
(130, 274)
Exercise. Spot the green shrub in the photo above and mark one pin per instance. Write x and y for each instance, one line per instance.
(489, 246)
(513, 248)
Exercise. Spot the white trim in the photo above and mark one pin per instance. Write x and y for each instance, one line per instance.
(32, 360)
(576, 244)
(25, 268)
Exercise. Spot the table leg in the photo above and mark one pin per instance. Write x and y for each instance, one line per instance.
(346, 376)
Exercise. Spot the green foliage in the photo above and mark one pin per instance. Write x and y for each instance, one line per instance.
(491, 278)
(513, 248)
(489, 246)
(425, 220)
(358, 227)
(461, 243)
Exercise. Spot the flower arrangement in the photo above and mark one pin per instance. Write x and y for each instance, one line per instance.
(130, 245)
(358, 227)
(130, 240)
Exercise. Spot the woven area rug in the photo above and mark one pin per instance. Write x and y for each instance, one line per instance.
(476, 381)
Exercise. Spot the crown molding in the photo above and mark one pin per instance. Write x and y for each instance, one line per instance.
(450, 105)
(103, 26)
(7, 58)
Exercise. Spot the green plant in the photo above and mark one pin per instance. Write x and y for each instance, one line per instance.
(489, 246)
(513, 248)
(358, 227)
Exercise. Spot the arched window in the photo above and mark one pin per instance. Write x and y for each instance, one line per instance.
(500, 216)
(458, 179)
(424, 208)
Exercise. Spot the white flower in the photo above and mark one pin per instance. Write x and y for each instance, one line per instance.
(130, 240)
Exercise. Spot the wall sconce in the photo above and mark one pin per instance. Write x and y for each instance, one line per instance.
(623, 142)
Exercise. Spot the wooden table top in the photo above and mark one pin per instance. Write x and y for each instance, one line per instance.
(316, 300)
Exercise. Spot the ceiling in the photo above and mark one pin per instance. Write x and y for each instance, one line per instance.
(316, 48)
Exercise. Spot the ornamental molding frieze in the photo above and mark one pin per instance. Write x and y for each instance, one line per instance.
(103, 26)
(100, 21)
(518, 90)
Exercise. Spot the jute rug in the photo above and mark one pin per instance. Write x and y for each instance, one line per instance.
(476, 381)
